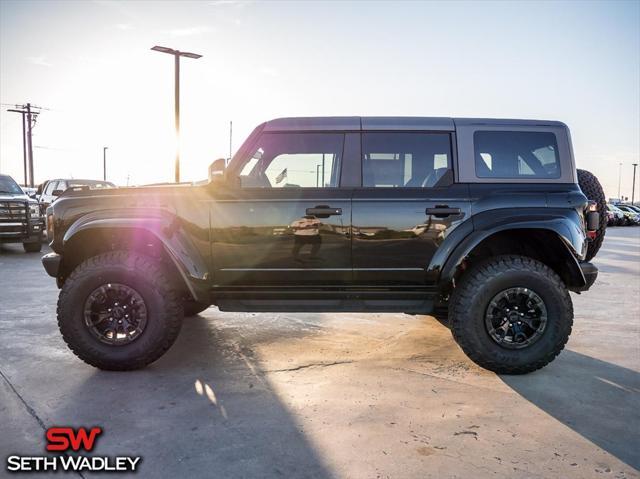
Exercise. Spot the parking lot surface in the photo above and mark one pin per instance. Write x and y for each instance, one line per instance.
(334, 395)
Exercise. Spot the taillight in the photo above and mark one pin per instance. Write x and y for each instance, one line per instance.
(593, 219)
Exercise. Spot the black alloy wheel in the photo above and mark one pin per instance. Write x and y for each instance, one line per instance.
(516, 318)
(115, 313)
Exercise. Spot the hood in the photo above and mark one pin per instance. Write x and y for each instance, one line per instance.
(10, 197)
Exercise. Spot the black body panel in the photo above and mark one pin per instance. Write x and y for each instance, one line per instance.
(383, 246)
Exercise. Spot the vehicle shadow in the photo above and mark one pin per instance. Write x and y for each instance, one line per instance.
(598, 400)
(203, 410)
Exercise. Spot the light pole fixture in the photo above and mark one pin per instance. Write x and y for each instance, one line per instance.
(104, 163)
(176, 55)
(633, 189)
(619, 180)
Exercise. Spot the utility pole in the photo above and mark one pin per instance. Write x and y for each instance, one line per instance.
(24, 142)
(104, 162)
(230, 139)
(30, 144)
(176, 54)
(633, 189)
(28, 120)
(176, 105)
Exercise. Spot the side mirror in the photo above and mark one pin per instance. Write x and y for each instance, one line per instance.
(56, 192)
(33, 195)
(217, 168)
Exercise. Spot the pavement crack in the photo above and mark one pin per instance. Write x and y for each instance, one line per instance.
(29, 409)
(32, 412)
(308, 366)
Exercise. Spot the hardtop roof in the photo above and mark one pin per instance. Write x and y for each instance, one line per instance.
(394, 123)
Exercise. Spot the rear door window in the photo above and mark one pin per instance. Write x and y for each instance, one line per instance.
(409, 160)
(516, 154)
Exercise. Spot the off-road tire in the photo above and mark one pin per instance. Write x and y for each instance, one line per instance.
(592, 189)
(146, 275)
(441, 314)
(471, 298)
(191, 308)
(35, 247)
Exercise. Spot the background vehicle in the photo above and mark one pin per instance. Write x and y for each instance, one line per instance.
(30, 192)
(482, 220)
(619, 218)
(632, 216)
(635, 208)
(51, 189)
(20, 217)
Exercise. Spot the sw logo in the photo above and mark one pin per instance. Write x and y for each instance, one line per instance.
(64, 440)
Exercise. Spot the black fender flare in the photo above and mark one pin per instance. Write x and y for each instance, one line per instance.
(166, 228)
(564, 223)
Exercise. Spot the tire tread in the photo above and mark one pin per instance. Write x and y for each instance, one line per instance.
(471, 285)
(154, 273)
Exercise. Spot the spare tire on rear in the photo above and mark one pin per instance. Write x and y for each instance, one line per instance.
(592, 189)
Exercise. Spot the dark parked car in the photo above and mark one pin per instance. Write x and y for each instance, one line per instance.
(483, 221)
(20, 217)
(631, 215)
(615, 216)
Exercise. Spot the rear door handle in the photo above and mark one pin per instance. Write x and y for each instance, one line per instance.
(443, 211)
(323, 211)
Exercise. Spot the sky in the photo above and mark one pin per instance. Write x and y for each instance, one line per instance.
(90, 64)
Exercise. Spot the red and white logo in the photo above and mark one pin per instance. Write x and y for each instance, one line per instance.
(68, 442)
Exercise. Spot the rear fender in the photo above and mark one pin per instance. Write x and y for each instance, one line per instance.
(564, 223)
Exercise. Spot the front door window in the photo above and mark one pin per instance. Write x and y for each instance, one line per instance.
(294, 160)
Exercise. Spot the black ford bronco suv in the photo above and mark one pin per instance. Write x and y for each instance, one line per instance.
(20, 217)
(482, 221)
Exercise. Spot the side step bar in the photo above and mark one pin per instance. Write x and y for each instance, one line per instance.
(417, 302)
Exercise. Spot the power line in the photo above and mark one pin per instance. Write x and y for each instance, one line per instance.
(34, 107)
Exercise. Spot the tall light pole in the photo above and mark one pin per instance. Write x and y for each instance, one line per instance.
(104, 163)
(176, 55)
(633, 189)
(619, 179)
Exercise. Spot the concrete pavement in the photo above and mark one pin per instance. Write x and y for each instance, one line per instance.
(334, 395)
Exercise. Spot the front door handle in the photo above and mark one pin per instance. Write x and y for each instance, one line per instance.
(323, 211)
(443, 211)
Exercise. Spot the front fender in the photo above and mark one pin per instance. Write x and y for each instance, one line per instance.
(565, 223)
(162, 225)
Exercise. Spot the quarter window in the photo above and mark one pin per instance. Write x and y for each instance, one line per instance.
(294, 160)
(418, 160)
(516, 154)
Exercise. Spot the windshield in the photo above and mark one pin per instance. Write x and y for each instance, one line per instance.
(8, 185)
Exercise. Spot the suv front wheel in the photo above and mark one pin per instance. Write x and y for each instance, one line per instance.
(118, 311)
(511, 314)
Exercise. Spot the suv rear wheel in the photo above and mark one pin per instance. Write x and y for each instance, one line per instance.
(511, 314)
(118, 311)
